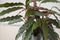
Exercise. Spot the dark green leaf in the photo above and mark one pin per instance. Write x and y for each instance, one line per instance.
(10, 10)
(52, 35)
(10, 18)
(15, 21)
(27, 3)
(29, 12)
(38, 13)
(44, 1)
(32, 12)
(28, 34)
(24, 27)
(10, 4)
(33, 0)
(54, 22)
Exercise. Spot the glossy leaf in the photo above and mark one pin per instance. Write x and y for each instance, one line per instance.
(10, 4)
(24, 27)
(9, 10)
(10, 18)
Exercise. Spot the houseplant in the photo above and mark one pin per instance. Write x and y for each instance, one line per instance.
(37, 25)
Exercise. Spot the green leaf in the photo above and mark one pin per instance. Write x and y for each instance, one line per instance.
(33, 0)
(10, 4)
(10, 10)
(10, 18)
(29, 12)
(45, 30)
(32, 12)
(35, 25)
(28, 34)
(27, 3)
(15, 21)
(44, 1)
(54, 22)
(52, 35)
(38, 13)
(24, 27)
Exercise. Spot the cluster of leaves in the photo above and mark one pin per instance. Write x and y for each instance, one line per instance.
(34, 25)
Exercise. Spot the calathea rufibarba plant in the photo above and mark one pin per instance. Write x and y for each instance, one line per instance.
(38, 25)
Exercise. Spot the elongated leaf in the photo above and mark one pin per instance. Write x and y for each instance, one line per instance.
(38, 13)
(44, 1)
(15, 21)
(10, 18)
(52, 35)
(35, 25)
(10, 10)
(33, 0)
(32, 12)
(54, 22)
(28, 34)
(45, 30)
(29, 12)
(27, 3)
(24, 27)
(57, 14)
(10, 4)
